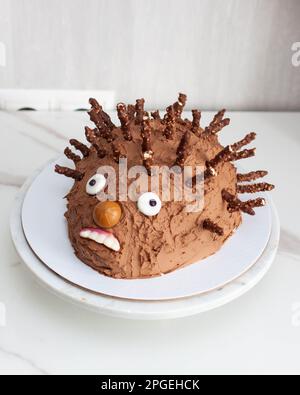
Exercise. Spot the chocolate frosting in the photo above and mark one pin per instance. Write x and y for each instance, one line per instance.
(151, 246)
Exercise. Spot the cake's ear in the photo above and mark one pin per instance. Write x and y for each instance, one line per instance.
(66, 171)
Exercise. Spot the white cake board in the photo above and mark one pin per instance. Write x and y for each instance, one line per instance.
(45, 229)
(140, 309)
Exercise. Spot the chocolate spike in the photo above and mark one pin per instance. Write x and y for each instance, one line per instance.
(218, 117)
(217, 124)
(94, 103)
(80, 147)
(70, 155)
(117, 154)
(238, 206)
(235, 204)
(213, 227)
(131, 111)
(227, 154)
(155, 115)
(253, 188)
(139, 108)
(259, 202)
(103, 129)
(146, 145)
(124, 119)
(108, 121)
(196, 122)
(246, 140)
(223, 156)
(246, 206)
(253, 175)
(66, 171)
(91, 135)
(101, 120)
(106, 118)
(182, 150)
(216, 127)
(93, 138)
(169, 120)
(178, 106)
(246, 153)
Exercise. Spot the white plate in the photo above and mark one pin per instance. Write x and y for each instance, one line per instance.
(139, 309)
(45, 230)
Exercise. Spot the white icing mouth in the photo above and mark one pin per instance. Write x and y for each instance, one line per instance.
(102, 237)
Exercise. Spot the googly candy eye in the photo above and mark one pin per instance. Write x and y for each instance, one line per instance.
(95, 184)
(149, 204)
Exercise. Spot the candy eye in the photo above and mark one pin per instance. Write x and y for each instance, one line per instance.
(149, 204)
(95, 184)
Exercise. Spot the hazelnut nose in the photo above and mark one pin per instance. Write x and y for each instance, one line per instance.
(107, 214)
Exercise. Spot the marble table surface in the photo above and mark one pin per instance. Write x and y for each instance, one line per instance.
(257, 333)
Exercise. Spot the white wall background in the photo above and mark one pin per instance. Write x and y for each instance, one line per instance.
(234, 53)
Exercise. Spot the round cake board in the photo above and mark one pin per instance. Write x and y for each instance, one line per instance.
(130, 309)
(45, 230)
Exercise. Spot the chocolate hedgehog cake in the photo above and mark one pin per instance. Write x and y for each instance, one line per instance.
(148, 236)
